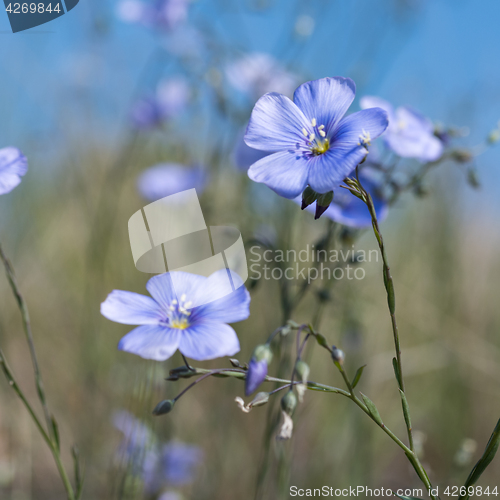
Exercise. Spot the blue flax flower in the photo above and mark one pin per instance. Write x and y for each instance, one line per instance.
(312, 142)
(350, 211)
(256, 73)
(158, 14)
(170, 322)
(409, 134)
(13, 165)
(169, 100)
(169, 178)
(159, 466)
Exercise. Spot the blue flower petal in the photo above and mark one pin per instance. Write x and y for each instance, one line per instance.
(227, 309)
(13, 165)
(327, 100)
(151, 342)
(328, 170)
(369, 101)
(371, 121)
(285, 172)
(276, 123)
(166, 287)
(208, 340)
(169, 178)
(131, 308)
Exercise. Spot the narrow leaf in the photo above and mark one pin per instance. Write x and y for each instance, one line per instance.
(406, 409)
(357, 376)
(372, 409)
(407, 498)
(485, 460)
(55, 430)
(79, 476)
(396, 371)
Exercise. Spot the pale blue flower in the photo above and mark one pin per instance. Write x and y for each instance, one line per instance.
(312, 142)
(256, 73)
(350, 211)
(244, 156)
(409, 134)
(158, 14)
(169, 321)
(159, 466)
(169, 178)
(168, 101)
(13, 165)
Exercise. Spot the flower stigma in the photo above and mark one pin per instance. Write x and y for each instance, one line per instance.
(178, 313)
(317, 141)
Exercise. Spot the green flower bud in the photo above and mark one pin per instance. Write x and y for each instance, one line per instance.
(289, 403)
(164, 407)
(324, 201)
(262, 353)
(302, 370)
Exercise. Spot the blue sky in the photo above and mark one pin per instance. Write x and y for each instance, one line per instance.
(440, 56)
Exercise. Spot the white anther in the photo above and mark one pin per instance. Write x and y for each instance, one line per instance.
(313, 122)
(321, 127)
(322, 133)
(304, 131)
(312, 137)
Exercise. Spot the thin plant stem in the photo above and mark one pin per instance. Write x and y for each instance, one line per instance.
(9, 271)
(50, 443)
(50, 434)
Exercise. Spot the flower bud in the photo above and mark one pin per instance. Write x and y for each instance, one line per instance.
(324, 201)
(302, 370)
(257, 368)
(494, 136)
(285, 330)
(338, 355)
(462, 155)
(289, 403)
(164, 407)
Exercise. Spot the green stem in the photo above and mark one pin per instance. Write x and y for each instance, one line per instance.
(9, 270)
(53, 447)
(48, 435)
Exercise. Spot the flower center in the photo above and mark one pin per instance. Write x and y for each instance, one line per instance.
(317, 141)
(178, 314)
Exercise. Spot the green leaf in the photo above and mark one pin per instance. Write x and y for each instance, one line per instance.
(321, 340)
(396, 371)
(407, 498)
(406, 409)
(55, 430)
(79, 473)
(357, 376)
(485, 460)
(372, 409)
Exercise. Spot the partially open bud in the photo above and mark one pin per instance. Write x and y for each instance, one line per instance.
(338, 355)
(164, 407)
(289, 402)
(322, 204)
(302, 370)
(309, 196)
(257, 368)
(260, 399)
(288, 405)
